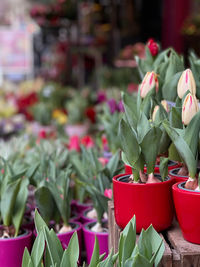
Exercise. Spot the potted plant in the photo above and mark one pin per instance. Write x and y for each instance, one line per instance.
(147, 251)
(13, 198)
(186, 194)
(142, 193)
(94, 178)
(53, 199)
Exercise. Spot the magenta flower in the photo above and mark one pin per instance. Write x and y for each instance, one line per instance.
(108, 193)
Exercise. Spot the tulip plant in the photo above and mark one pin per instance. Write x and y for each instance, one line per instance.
(166, 67)
(142, 140)
(95, 177)
(148, 251)
(53, 197)
(186, 140)
(14, 181)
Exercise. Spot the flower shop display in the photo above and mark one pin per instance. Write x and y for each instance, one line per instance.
(148, 250)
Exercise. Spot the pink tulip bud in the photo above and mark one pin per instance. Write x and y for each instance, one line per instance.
(189, 109)
(185, 83)
(164, 104)
(108, 193)
(149, 82)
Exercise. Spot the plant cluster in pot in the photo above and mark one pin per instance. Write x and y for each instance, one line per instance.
(145, 194)
(53, 199)
(186, 194)
(13, 198)
(186, 90)
(47, 249)
(94, 177)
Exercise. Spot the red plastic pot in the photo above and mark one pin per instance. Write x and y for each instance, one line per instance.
(151, 203)
(172, 165)
(89, 240)
(186, 204)
(178, 178)
(12, 249)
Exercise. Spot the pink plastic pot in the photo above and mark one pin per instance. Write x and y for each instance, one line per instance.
(12, 249)
(85, 219)
(151, 203)
(81, 207)
(171, 165)
(65, 237)
(178, 178)
(186, 204)
(89, 240)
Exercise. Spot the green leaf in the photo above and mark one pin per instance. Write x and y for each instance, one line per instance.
(45, 203)
(39, 222)
(150, 147)
(182, 148)
(138, 260)
(54, 256)
(8, 201)
(38, 250)
(191, 135)
(129, 143)
(143, 127)
(129, 234)
(130, 107)
(70, 256)
(108, 262)
(163, 167)
(169, 89)
(26, 261)
(20, 205)
(95, 255)
(175, 118)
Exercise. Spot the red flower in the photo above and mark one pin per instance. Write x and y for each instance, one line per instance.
(87, 141)
(153, 47)
(42, 134)
(74, 143)
(104, 142)
(91, 114)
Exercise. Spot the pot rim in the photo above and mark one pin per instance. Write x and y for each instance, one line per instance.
(169, 181)
(87, 230)
(77, 228)
(177, 175)
(178, 188)
(27, 234)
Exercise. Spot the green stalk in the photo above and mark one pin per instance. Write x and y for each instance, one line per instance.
(136, 175)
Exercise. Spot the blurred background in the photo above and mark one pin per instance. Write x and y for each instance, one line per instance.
(73, 42)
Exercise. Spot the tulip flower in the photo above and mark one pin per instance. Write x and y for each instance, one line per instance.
(185, 83)
(153, 47)
(149, 82)
(189, 109)
(164, 104)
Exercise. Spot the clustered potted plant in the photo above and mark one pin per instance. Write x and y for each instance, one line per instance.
(148, 250)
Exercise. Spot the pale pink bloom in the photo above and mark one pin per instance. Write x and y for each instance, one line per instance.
(150, 81)
(189, 109)
(185, 83)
